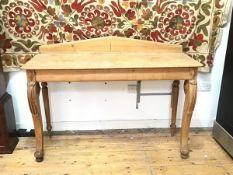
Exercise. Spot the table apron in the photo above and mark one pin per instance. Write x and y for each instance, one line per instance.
(115, 74)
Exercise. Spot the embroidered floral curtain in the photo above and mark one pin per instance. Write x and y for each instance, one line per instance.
(27, 24)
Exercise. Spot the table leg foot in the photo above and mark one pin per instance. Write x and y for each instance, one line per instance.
(49, 132)
(39, 156)
(184, 154)
(49, 129)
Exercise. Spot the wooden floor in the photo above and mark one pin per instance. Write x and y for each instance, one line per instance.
(137, 153)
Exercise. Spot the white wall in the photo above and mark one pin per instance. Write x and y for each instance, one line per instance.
(110, 105)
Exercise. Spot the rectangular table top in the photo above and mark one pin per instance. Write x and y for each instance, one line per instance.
(109, 60)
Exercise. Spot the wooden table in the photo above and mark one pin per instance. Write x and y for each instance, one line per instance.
(114, 59)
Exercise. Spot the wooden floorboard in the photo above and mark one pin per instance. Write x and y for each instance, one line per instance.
(149, 153)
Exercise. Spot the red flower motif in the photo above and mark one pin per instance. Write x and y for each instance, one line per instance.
(4, 43)
(161, 5)
(118, 33)
(146, 14)
(38, 5)
(128, 33)
(79, 35)
(197, 41)
(117, 8)
(78, 6)
(138, 5)
(52, 28)
(130, 14)
(177, 22)
(97, 20)
(66, 9)
(20, 19)
(68, 28)
(156, 36)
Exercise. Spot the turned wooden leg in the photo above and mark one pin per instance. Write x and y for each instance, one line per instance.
(190, 88)
(46, 107)
(174, 102)
(33, 100)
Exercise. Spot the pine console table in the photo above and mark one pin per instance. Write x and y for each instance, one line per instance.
(113, 59)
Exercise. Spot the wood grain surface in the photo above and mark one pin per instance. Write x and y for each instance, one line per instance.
(110, 53)
(110, 60)
(153, 153)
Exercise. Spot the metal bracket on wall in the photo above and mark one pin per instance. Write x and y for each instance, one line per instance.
(139, 94)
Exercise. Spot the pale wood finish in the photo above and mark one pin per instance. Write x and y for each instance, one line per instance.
(134, 153)
(190, 89)
(115, 74)
(46, 107)
(111, 44)
(33, 100)
(174, 102)
(111, 58)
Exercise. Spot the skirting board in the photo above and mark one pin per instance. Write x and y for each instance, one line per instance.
(116, 124)
(223, 138)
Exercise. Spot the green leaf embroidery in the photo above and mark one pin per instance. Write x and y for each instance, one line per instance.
(155, 22)
(120, 23)
(206, 9)
(43, 18)
(74, 20)
(3, 2)
(57, 2)
(1, 26)
(200, 18)
(196, 5)
(203, 28)
(26, 46)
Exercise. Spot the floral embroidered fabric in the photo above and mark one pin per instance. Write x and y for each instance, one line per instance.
(27, 24)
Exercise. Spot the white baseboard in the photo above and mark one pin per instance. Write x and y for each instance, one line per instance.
(117, 124)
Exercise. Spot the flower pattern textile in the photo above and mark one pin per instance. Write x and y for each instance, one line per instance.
(20, 19)
(27, 24)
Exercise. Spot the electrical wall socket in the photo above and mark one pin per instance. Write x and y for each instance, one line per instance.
(132, 88)
(203, 86)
